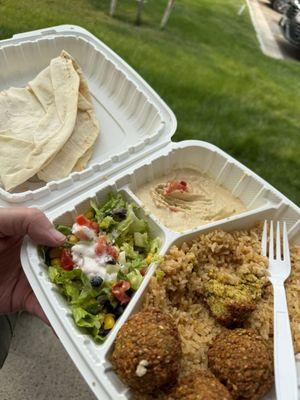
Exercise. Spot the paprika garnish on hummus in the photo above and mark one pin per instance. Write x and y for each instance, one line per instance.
(187, 198)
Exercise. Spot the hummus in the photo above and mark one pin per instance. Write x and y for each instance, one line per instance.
(187, 198)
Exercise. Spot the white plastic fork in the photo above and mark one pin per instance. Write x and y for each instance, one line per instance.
(280, 269)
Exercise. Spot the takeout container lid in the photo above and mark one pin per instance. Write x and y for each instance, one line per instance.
(134, 120)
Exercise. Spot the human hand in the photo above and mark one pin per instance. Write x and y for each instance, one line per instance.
(15, 291)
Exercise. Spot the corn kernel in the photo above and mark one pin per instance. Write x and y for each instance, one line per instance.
(55, 261)
(109, 321)
(72, 239)
(89, 214)
(149, 258)
(54, 252)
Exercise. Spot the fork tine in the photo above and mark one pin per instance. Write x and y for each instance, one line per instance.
(278, 244)
(286, 250)
(264, 240)
(271, 241)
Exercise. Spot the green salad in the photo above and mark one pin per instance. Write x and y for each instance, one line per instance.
(102, 263)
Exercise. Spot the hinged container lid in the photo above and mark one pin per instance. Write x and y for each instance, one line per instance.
(134, 120)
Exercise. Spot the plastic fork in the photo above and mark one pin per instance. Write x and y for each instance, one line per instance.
(280, 269)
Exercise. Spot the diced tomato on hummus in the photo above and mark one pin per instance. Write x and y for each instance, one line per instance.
(175, 185)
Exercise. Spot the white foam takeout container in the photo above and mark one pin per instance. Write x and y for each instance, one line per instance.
(128, 108)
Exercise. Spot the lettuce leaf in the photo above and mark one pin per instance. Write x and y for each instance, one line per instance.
(66, 230)
(91, 323)
(113, 201)
(130, 253)
(141, 239)
(131, 223)
(72, 292)
(135, 278)
(85, 319)
(75, 285)
(155, 245)
(107, 223)
(138, 263)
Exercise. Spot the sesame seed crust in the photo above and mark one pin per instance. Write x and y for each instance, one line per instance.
(150, 335)
(242, 361)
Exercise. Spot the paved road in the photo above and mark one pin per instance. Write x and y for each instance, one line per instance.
(273, 18)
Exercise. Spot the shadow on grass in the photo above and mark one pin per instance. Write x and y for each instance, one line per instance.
(102, 5)
(126, 12)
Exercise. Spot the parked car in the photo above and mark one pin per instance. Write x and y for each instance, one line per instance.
(290, 23)
(280, 5)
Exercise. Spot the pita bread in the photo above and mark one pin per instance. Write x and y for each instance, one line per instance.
(47, 128)
(36, 121)
(83, 137)
(82, 162)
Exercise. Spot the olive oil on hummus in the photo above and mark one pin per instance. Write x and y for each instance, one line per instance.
(187, 198)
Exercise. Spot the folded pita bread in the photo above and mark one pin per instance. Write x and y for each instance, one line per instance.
(36, 121)
(47, 128)
(83, 137)
(82, 162)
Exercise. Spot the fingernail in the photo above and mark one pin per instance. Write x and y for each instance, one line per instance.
(56, 235)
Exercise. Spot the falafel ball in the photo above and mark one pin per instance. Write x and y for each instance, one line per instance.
(147, 352)
(242, 361)
(199, 386)
(231, 299)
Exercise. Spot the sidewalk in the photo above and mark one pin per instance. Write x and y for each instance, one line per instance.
(266, 24)
(38, 367)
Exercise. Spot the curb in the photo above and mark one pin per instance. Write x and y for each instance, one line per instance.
(264, 34)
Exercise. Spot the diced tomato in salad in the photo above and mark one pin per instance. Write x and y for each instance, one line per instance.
(66, 260)
(82, 220)
(103, 247)
(119, 290)
(113, 252)
(175, 185)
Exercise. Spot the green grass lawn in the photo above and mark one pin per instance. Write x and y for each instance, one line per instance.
(206, 65)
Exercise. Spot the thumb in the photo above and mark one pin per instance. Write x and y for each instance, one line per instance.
(17, 222)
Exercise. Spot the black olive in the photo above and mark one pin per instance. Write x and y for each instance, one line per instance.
(129, 292)
(140, 250)
(119, 311)
(119, 213)
(96, 281)
(108, 307)
(102, 299)
(102, 331)
(110, 260)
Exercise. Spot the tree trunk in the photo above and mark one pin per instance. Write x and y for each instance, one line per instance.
(140, 6)
(113, 5)
(167, 13)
